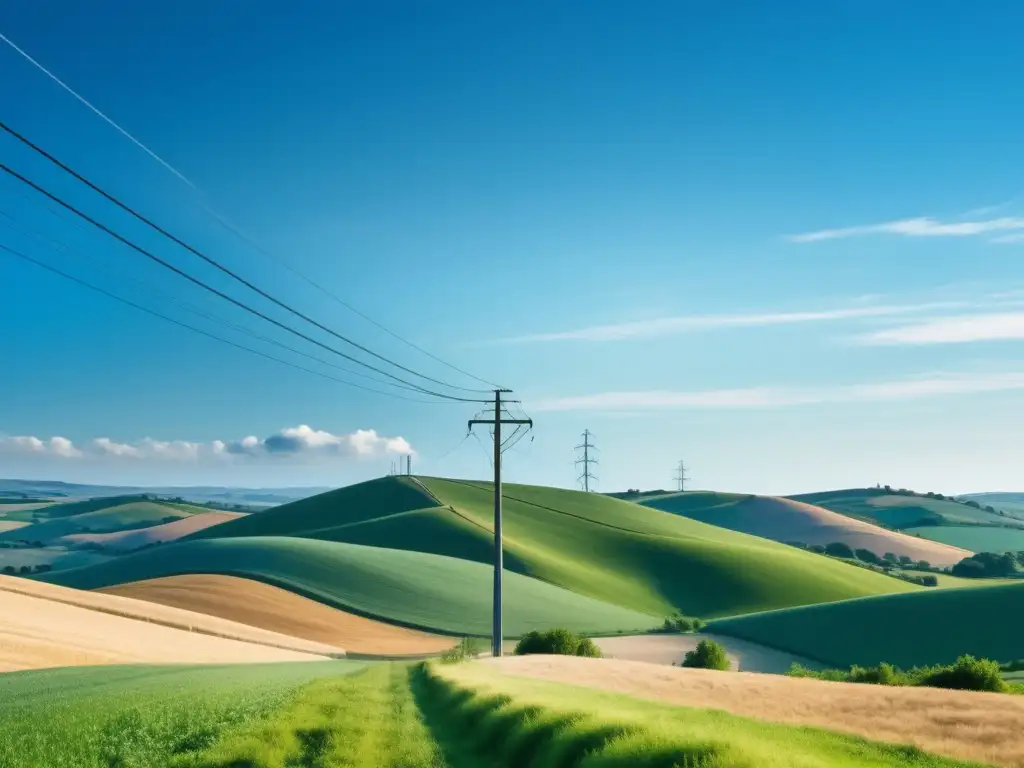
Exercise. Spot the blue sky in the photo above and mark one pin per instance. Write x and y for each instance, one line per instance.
(783, 244)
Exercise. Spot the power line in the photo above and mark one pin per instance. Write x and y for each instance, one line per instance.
(58, 245)
(223, 221)
(586, 461)
(213, 262)
(681, 476)
(149, 311)
(221, 294)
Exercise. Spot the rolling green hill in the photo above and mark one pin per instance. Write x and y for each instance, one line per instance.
(411, 588)
(928, 627)
(977, 538)
(593, 545)
(893, 510)
(114, 515)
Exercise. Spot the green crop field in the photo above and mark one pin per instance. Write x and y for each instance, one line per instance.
(412, 588)
(119, 517)
(614, 551)
(98, 717)
(977, 538)
(929, 627)
(898, 511)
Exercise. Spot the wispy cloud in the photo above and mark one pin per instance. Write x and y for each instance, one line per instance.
(950, 330)
(665, 326)
(780, 397)
(916, 227)
(295, 442)
(1016, 238)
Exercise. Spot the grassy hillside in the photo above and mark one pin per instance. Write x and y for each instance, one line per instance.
(928, 627)
(594, 545)
(900, 511)
(106, 518)
(787, 520)
(976, 538)
(410, 588)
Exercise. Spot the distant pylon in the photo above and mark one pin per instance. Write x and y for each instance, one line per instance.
(681, 477)
(586, 461)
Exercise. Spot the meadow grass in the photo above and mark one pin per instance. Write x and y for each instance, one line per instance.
(138, 716)
(928, 627)
(413, 589)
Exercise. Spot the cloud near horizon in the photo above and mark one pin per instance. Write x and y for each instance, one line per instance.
(665, 326)
(780, 397)
(301, 442)
(922, 226)
(1000, 326)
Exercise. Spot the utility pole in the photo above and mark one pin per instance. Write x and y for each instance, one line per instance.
(408, 464)
(586, 461)
(681, 477)
(496, 422)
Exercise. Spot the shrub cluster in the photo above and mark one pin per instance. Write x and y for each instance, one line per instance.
(680, 623)
(966, 673)
(557, 641)
(989, 564)
(707, 655)
(468, 648)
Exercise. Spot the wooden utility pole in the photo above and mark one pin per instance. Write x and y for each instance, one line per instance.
(496, 422)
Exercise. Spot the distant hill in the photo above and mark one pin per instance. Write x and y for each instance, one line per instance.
(13, 488)
(136, 538)
(98, 516)
(788, 520)
(927, 627)
(610, 550)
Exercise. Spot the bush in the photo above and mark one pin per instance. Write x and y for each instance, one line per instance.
(25, 569)
(467, 648)
(923, 565)
(10, 570)
(967, 674)
(817, 549)
(839, 549)
(906, 561)
(556, 641)
(707, 655)
(680, 623)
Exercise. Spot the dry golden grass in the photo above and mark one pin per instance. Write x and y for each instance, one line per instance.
(36, 633)
(173, 618)
(11, 525)
(985, 727)
(261, 605)
(128, 540)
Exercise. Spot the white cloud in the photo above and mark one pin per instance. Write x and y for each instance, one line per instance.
(951, 330)
(688, 323)
(301, 442)
(780, 397)
(916, 227)
(1017, 238)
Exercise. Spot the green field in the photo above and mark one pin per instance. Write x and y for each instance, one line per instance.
(899, 511)
(106, 519)
(99, 717)
(614, 551)
(977, 538)
(929, 627)
(411, 588)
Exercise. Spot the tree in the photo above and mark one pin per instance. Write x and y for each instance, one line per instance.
(10, 570)
(25, 569)
(707, 655)
(891, 558)
(556, 641)
(906, 561)
(839, 549)
(867, 556)
(923, 565)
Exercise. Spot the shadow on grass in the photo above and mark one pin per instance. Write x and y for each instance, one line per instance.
(474, 729)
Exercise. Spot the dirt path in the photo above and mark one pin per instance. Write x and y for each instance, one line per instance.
(670, 649)
(261, 605)
(986, 727)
